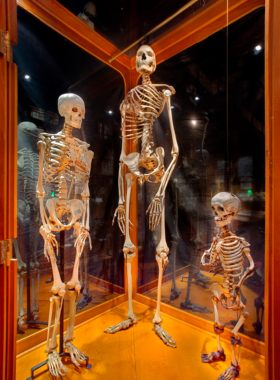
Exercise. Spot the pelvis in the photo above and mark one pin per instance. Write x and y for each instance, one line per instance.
(75, 208)
(154, 163)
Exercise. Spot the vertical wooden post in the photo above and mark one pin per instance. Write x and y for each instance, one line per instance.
(11, 320)
(3, 320)
(272, 136)
(8, 187)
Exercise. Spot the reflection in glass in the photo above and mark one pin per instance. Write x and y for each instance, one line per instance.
(48, 66)
(221, 149)
(123, 22)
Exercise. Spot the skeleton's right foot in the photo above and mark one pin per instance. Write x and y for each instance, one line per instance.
(84, 301)
(55, 365)
(21, 320)
(121, 326)
(175, 294)
(164, 336)
(77, 356)
(217, 356)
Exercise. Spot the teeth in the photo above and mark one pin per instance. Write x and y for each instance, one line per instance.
(220, 219)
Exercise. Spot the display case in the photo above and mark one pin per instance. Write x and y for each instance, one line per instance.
(221, 58)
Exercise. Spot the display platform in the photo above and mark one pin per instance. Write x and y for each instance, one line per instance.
(99, 296)
(202, 296)
(137, 353)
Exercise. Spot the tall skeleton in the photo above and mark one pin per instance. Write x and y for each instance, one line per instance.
(141, 106)
(66, 162)
(227, 251)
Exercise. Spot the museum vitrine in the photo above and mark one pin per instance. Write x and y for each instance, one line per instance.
(213, 54)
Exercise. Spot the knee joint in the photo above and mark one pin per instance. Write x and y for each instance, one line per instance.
(244, 314)
(218, 328)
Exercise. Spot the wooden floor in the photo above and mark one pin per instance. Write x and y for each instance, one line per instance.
(137, 353)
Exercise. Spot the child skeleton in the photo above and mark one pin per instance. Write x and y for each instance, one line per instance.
(227, 251)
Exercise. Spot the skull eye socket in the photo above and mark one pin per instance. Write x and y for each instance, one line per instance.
(150, 53)
(217, 208)
(75, 109)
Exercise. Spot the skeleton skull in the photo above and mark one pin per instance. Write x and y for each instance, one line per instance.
(145, 60)
(224, 206)
(72, 107)
(90, 9)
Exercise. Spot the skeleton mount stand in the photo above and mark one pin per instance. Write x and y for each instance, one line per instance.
(175, 291)
(62, 353)
(196, 243)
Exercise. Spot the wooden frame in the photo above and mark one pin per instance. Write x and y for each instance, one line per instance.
(272, 133)
(192, 30)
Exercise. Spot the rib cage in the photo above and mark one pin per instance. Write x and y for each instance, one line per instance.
(232, 258)
(63, 159)
(140, 107)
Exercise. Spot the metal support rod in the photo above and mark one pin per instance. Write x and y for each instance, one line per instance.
(156, 28)
(62, 252)
(28, 268)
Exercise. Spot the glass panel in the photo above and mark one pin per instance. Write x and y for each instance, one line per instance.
(123, 22)
(48, 66)
(219, 151)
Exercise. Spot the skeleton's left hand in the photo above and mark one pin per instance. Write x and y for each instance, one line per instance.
(235, 293)
(81, 239)
(155, 213)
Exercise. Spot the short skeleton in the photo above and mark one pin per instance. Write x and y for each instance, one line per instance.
(141, 106)
(64, 161)
(227, 253)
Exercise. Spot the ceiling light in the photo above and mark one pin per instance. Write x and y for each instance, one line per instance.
(110, 112)
(172, 107)
(197, 98)
(258, 48)
(193, 122)
(26, 76)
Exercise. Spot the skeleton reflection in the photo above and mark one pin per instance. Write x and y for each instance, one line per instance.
(65, 161)
(227, 251)
(141, 106)
(28, 220)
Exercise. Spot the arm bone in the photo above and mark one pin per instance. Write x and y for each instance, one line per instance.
(86, 194)
(249, 270)
(40, 192)
(174, 151)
